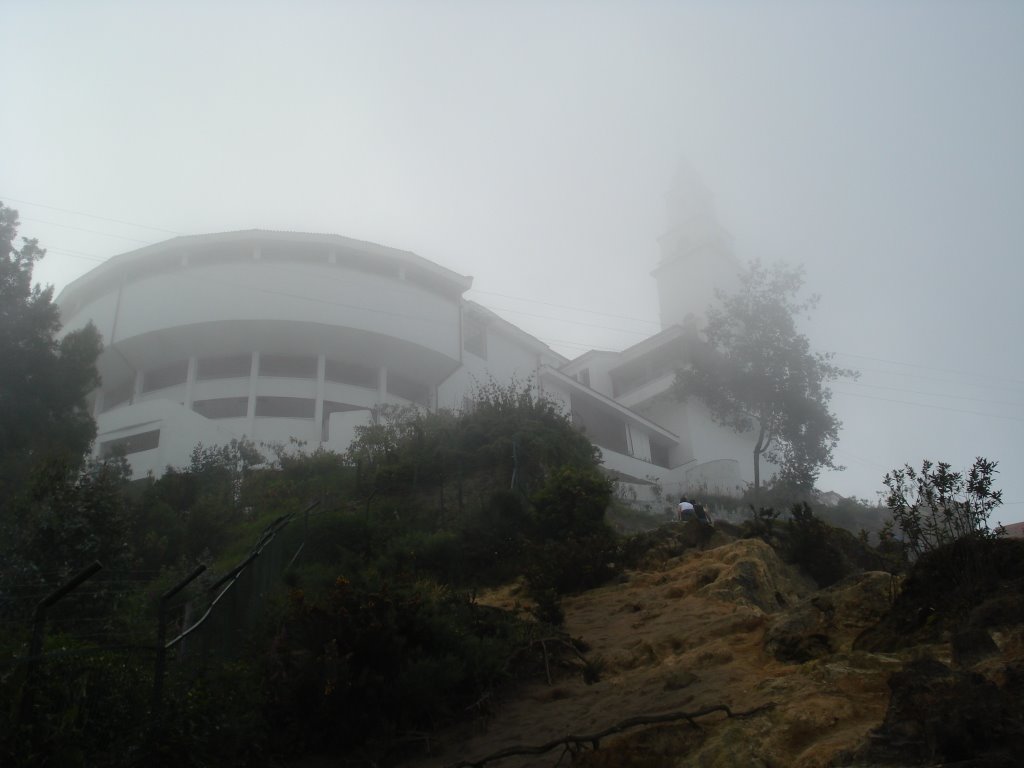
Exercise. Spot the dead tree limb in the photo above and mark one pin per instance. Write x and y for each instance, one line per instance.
(593, 740)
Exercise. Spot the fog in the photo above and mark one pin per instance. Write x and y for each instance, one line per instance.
(532, 146)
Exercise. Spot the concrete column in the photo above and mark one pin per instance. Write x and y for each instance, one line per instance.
(137, 387)
(190, 381)
(318, 409)
(382, 385)
(250, 414)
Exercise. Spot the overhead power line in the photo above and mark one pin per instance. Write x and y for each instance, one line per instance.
(84, 229)
(1000, 416)
(91, 215)
(936, 394)
(952, 371)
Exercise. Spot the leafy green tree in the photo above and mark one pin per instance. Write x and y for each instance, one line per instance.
(937, 506)
(757, 374)
(43, 382)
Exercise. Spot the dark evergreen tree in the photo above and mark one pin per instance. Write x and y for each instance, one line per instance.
(44, 381)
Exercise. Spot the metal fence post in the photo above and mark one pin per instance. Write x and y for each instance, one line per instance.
(161, 639)
(35, 646)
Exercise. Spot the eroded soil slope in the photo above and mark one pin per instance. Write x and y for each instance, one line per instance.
(706, 628)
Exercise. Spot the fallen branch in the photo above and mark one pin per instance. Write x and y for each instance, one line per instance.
(576, 742)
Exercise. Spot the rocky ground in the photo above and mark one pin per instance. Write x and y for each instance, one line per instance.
(730, 624)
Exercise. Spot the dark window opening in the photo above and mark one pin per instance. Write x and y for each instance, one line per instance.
(351, 373)
(288, 366)
(474, 336)
(408, 389)
(285, 407)
(125, 446)
(168, 376)
(222, 407)
(237, 367)
(600, 427)
(659, 454)
(117, 394)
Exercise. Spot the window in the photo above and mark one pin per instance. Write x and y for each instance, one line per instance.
(236, 367)
(351, 373)
(584, 377)
(124, 446)
(407, 388)
(288, 366)
(222, 407)
(659, 454)
(285, 407)
(117, 394)
(474, 336)
(168, 376)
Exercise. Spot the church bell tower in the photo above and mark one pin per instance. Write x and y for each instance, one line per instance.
(697, 256)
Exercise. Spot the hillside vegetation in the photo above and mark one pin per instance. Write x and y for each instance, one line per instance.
(451, 589)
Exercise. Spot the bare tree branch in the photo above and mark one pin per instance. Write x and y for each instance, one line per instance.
(593, 740)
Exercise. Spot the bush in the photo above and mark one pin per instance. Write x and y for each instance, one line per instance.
(375, 661)
(936, 507)
(809, 547)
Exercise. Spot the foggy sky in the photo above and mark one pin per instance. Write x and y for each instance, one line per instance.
(531, 146)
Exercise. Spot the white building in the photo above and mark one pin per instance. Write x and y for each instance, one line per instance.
(281, 335)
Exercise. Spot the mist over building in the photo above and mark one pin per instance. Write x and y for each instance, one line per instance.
(282, 336)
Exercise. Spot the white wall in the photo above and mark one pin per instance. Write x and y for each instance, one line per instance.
(301, 292)
(180, 431)
(507, 359)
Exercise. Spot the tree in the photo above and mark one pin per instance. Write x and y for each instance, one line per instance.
(756, 373)
(43, 382)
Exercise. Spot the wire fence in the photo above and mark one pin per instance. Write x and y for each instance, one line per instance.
(196, 618)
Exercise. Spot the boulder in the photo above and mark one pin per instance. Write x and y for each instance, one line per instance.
(749, 572)
(830, 620)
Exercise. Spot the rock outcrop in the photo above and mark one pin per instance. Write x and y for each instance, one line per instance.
(830, 620)
(729, 623)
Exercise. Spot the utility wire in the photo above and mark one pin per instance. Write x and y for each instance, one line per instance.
(935, 407)
(83, 229)
(90, 215)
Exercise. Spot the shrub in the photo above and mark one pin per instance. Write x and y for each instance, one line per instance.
(809, 546)
(935, 506)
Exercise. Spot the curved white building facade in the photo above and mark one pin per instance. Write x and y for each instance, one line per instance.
(280, 336)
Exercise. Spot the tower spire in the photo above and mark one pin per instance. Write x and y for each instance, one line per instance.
(697, 257)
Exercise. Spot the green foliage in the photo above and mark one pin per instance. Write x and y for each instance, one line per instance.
(44, 417)
(971, 582)
(936, 506)
(374, 661)
(511, 434)
(422, 506)
(571, 503)
(756, 373)
(761, 524)
(93, 708)
(66, 521)
(809, 546)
